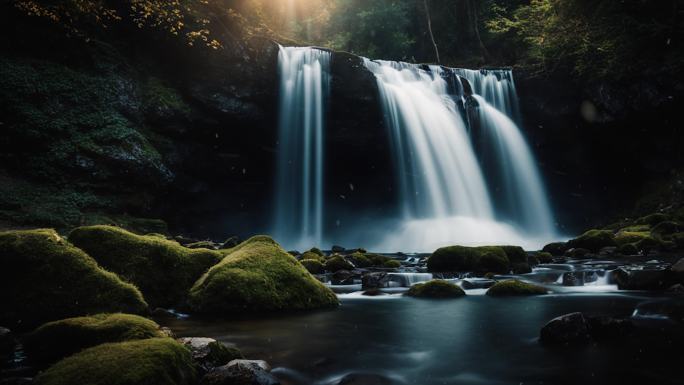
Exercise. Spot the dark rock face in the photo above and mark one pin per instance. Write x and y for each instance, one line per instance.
(209, 353)
(645, 279)
(7, 343)
(374, 280)
(241, 372)
(569, 329)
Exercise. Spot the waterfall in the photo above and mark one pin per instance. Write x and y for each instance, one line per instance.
(454, 192)
(304, 87)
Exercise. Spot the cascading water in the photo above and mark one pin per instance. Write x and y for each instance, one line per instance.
(445, 194)
(304, 86)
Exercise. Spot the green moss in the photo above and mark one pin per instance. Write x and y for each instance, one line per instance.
(220, 354)
(360, 260)
(313, 266)
(150, 361)
(513, 287)
(461, 258)
(58, 339)
(161, 100)
(556, 248)
(313, 256)
(258, 276)
(44, 278)
(515, 254)
(666, 228)
(435, 289)
(647, 244)
(392, 264)
(636, 228)
(593, 240)
(544, 257)
(376, 259)
(162, 269)
(624, 237)
(337, 263)
(652, 219)
(317, 251)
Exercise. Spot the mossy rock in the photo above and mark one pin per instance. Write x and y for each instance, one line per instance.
(625, 237)
(652, 219)
(360, 260)
(143, 362)
(58, 339)
(628, 249)
(392, 264)
(337, 263)
(678, 240)
(482, 259)
(436, 288)
(544, 257)
(666, 228)
(317, 251)
(513, 287)
(44, 278)
(515, 254)
(556, 248)
(313, 266)
(593, 240)
(163, 270)
(313, 256)
(376, 259)
(259, 276)
(647, 244)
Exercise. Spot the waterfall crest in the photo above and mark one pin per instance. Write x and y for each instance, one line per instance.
(304, 87)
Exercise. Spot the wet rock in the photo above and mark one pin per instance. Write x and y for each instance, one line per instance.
(364, 379)
(230, 242)
(343, 277)
(374, 280)
(606, 251)
(669, 308)
(641, 279)
(678, 267)
(7, 342)
(161, 313)
(573, 278)
(184, 240)
(373, 292)
(556, 248)
(569, 329)
(677, 289)
(209, 353)
(241, 372)
(338, 249)
(593, 240)
(475, 283)
(628, 249)
(578, 253)
(521, 268)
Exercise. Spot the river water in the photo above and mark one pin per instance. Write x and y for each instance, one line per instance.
(471, 340)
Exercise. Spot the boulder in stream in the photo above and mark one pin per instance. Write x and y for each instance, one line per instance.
(241, 372)
(568, 329)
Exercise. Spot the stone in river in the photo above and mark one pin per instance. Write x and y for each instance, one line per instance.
(241, 372)
(568, 329)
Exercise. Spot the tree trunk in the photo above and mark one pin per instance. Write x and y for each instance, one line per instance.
(432, 36)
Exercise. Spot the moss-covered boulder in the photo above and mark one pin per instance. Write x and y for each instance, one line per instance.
(392, 264)
(44, 278)
(313, 266)
(593, 240)
(482, 259)
(515, 254)
(312, 256)
(258, 276)
(544, 257)
(512, 287)
(625, 237)
(360, 259)
(436, 288)
(58, 339)
(653, 219)
(143, 362)
(163, 270)
(337, 263)
(556, 248)
(209, 353)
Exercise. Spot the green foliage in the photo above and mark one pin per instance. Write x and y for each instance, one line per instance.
(44, 278)
(162, 269)
(377, 29)
(59, 339)
(313, 266)
(482, 259)
(435, 289)
(258, 276)
(513, 287)
(150, 361)
(544, 257)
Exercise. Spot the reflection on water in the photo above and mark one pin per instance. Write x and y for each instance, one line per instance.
(471, 340)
